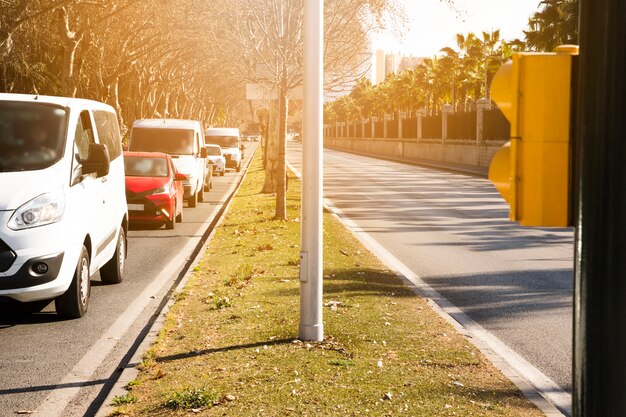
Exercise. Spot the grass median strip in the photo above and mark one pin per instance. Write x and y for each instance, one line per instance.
(229, 345)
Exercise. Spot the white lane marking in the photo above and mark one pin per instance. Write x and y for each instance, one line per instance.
(130, 372)
(55, 403)
(511, 364)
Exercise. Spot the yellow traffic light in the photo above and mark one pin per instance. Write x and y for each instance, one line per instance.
(533, 170)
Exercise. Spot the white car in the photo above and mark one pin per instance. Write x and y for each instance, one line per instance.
(184, 142)
(216, 159)
(229, 139)
(63, 212)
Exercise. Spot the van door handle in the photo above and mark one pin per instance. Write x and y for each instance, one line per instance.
(103, 179)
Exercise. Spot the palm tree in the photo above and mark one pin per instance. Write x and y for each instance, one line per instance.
(556, 23)
(362, 96)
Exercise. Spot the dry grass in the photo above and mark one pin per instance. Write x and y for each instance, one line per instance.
(232, 334)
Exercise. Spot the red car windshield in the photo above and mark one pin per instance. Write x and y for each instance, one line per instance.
(143, 166)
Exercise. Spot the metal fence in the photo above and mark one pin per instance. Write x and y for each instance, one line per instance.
(392, 128)
(431, 127)
(462, 125)
(459, 126)
(495, 125)
(380, 129)
(409, 128)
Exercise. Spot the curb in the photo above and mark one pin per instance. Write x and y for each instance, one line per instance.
(129, 371)
(427, 163)
(539, 389)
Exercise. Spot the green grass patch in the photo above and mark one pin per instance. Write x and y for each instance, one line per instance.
(127, 398)
(191, 398)
(132, 384)
(385, 353)
(341, 362)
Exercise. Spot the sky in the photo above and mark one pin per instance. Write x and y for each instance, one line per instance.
(433, 24)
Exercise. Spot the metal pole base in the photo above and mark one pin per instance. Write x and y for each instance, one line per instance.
(311, 333)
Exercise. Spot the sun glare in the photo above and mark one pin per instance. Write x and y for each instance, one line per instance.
(433, 23)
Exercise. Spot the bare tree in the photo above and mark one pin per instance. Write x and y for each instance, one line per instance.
(267, 35)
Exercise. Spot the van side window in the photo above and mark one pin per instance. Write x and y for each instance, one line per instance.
(108, 132)
(83, 137)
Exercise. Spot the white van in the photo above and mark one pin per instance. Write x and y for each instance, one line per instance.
(229, 140)
(63, 210)
(184, 142)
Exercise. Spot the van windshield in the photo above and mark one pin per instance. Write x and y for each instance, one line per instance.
(32, 135)
(223, 141)
(170, 141)
(213, 151)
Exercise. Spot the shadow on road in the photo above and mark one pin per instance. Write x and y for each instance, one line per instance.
(467, 209)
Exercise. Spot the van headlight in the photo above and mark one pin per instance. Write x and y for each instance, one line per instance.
(40, 211)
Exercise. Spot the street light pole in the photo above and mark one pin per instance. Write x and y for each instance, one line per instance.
(311, 325)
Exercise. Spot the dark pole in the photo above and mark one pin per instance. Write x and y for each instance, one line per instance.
(600, 264)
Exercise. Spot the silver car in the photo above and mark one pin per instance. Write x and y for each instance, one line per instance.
(216, 158)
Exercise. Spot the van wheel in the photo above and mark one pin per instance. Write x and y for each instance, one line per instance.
(74, 302)
(113, 271)
(179, 217)
(192, 200)
(201, 193)
(239, 167)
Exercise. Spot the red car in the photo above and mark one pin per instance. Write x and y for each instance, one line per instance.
(154, 190)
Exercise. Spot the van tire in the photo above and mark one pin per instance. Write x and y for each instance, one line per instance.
(75, 301)
(179, 217)
(192, 201)
(201, 193)
(113, 271)
(239, 167)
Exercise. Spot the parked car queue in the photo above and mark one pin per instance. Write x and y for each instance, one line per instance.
(70, 192)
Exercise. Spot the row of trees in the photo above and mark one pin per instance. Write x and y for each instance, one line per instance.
(461, 74)
(147, 58)
(179, 58)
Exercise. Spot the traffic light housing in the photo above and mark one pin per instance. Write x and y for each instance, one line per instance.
(533, 171)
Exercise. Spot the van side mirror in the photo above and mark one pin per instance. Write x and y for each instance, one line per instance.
(203, 152)
(98, 160)
(181, 177)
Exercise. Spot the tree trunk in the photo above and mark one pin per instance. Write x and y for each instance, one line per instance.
(281, 189)
(72, 41)
(271, 150)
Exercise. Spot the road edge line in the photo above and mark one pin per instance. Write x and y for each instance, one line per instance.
(129, 370)
(55, 403)
(551, 399)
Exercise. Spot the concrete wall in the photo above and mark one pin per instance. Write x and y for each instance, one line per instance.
(462, 152)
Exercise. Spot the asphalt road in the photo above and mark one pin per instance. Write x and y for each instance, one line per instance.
(453, 231)
(45, 361)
